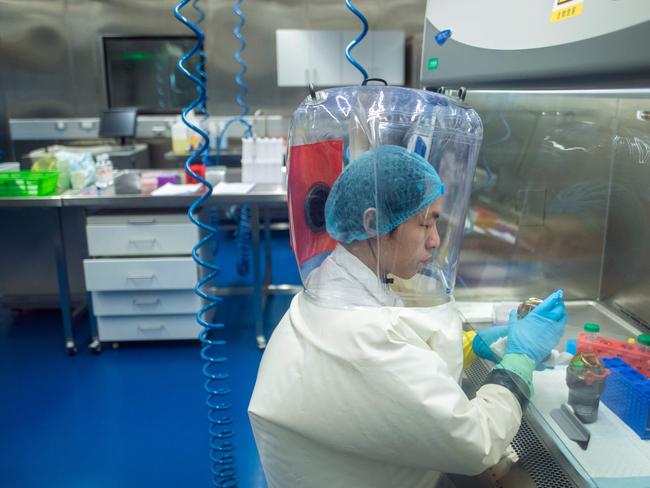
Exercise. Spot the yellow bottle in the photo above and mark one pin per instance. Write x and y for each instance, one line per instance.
(180, 142)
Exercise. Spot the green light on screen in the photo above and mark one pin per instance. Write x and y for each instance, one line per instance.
(135, 56)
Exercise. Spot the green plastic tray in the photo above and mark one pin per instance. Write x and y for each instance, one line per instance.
(28, 183)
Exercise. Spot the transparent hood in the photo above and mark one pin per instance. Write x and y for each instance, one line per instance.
(379, 181)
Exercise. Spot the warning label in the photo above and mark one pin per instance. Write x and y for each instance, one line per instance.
(566, 9)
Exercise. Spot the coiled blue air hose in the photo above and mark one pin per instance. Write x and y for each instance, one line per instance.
(205, 115)
(243, 235)
(203, 76)
(221, 446)
(243, 241)
(358, 39)
(239, 79)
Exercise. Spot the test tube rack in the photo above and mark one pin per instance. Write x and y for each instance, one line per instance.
(627, 394)
(633, 354)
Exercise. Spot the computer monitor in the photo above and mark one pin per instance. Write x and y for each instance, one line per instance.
(141, 71)
(118, 122)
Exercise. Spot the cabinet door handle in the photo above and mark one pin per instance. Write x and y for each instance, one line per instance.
(142, 242)
(151, 328)
(144, 221)
(145, 303)
(141, 277)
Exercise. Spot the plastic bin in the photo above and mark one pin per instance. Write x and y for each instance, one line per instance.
(633, 354)
(627, 394)
(28, 183)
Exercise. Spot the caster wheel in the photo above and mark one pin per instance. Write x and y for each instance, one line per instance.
(95, 346)
(70, 348)
(116, 345)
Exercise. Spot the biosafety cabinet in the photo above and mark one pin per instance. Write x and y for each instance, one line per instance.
(536, 43)
(560, 197)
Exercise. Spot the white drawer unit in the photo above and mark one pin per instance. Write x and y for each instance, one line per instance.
(141, 277)
(140, 274)
(157, 302)
(140, 235)
(147, 328)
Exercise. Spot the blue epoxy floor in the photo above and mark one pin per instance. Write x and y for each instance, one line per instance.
(131, 417)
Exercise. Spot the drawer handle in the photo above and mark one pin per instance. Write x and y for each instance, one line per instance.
(142, 221)
(141, 277)
(146, 303)
(150, 328)
(139, 242)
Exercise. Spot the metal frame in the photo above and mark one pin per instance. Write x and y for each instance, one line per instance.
(263, 196)
(148, 127)
(64, 284)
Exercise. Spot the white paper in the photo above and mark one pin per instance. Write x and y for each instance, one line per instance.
(172, 189)
(615, 451)
(232, 188)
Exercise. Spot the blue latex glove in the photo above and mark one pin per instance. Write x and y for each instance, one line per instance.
(484, 338)
(538, 332)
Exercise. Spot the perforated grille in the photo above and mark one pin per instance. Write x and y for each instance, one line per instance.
(534, 457)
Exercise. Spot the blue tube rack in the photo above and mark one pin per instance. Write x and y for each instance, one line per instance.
(627, 394)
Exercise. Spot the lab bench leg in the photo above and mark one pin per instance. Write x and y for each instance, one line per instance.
(64, 286)
(257, 277)
(268, 262)
(95, 344)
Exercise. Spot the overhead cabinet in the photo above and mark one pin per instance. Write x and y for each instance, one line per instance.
(318, 57)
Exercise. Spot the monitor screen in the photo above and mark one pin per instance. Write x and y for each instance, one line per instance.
(141, 72)
(118, 122)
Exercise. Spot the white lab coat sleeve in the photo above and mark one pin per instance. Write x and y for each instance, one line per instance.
(370, 383)
(428, 420)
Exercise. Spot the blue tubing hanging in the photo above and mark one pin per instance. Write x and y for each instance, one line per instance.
(221, 445)
(243, 235)
(205, 115)
(239, 80)
(243, 241)
(358, 39)
(203, 76)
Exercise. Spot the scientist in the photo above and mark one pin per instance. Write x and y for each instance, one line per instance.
(357, 389)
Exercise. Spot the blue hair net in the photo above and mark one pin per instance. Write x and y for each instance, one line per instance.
(397, 183)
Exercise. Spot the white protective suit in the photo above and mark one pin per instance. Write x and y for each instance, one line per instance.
(369, 397)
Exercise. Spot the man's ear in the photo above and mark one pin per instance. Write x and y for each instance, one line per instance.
(370, 222)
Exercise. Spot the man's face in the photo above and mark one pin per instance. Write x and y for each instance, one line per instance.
(412, 243)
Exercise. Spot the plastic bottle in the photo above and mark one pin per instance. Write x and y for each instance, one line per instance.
(585, 377)
(100, 164)
(213, 131)
(103, 171)
(644, 342)
(180, 142)
(108, 171)
(194, 140)
(593, 331)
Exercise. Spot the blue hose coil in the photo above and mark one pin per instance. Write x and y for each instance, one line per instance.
(221, 445)
(203, 76)
(239, 80)
(358, 39)
(243, 241)
(243, 235)
(205, 115)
